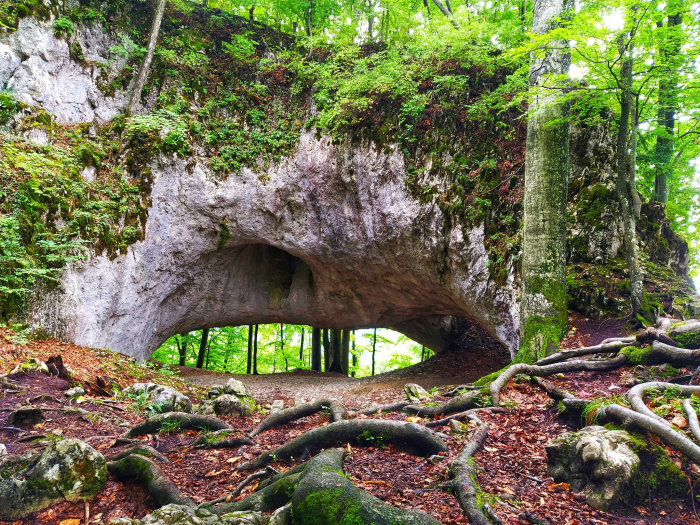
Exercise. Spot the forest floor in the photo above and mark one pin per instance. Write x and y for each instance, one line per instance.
(513, 458)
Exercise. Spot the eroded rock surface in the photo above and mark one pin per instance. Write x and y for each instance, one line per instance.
(67, 469)
(167, 399)
(183, 515)
(597, 462)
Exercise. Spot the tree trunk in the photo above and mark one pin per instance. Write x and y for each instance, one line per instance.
(637, 296)
(146, 64)
(250, 350)
(632, 172)
(182, 349)
(669, 49)
(301, 347)
(447, 13)
(543, 313)
(354, 355)
(255, 351)
(422, 353)
(326, 350)
(374, 349)
(316, 349)
(202, 348)
(336, 361)
(345, 355)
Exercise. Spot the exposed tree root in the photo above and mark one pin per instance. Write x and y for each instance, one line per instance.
(636, 396)
(220, 439)
(456, 404)
(652, 334)
(281, 417)
(662, 353)
(551, 369)
(260, 474)
(466, 413)
(378, 409)
(368, 430)
(161, 489)
(140, 449)
(692, 419)
(630, 418)
(462, 473)
(605, 347)
(459, 390)
(179, 420)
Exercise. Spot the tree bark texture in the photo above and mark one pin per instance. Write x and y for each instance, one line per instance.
(202, 348)
(146, 64)
(669, 49)
(316, 349)
(543, 314)
(249, 365)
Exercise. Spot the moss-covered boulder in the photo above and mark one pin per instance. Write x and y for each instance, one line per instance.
(184, 515)
(165, 398)
(686, 334)
(609, 465)
(324, 496)
(232, 399)
(597, 462)
(31, 365)
(67, 469)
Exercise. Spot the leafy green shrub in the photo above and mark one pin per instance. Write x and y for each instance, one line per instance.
(162, 130)
(8, 107)
(63, 27)
(241, 48)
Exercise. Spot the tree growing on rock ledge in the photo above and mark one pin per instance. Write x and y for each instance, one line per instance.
(543, 317)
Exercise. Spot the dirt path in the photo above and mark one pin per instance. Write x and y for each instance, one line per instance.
(448, 368)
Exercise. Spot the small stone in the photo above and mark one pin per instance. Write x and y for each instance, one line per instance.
(229, 405)
(436, 459)
(3, 450)
(31, 365)
(167, 399)
(457, 427)
(276, 405)
(28, 415)
(236, 388)
(182, 515)
(74, 392)
(282, 516)
(415, 392)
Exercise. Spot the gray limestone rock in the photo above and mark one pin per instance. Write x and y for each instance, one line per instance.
(166, 398)
(182, 515)
(75, 391)
(457, 427)
(234, 406)
(597, 462)
(67, 469)
(416, 392)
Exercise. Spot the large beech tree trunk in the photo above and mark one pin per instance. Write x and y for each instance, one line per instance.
(146, 64)
(345, 352)
(669, 50)
(622, 185)
(543, 317)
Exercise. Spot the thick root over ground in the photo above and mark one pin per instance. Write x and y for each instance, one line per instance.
(337, 411)
(176, 421)
(367, 430)
(162, 490)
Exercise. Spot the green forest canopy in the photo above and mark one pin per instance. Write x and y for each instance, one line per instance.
(227, 350)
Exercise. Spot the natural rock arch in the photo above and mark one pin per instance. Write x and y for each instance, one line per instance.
(329, 237)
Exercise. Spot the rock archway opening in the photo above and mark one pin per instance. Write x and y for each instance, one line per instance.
(259, 284)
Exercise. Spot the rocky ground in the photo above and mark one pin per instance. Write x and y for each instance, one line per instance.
(511, 464)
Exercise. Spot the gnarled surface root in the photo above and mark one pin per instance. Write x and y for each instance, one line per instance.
(162, 490)
(359, 429)
(551, 369)
(636, 396)
(462, 473)
(156, 423)
(466, 413)
(456, 404)
(281, 417)
(692, 419)
(605, 347)
(142, 450)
